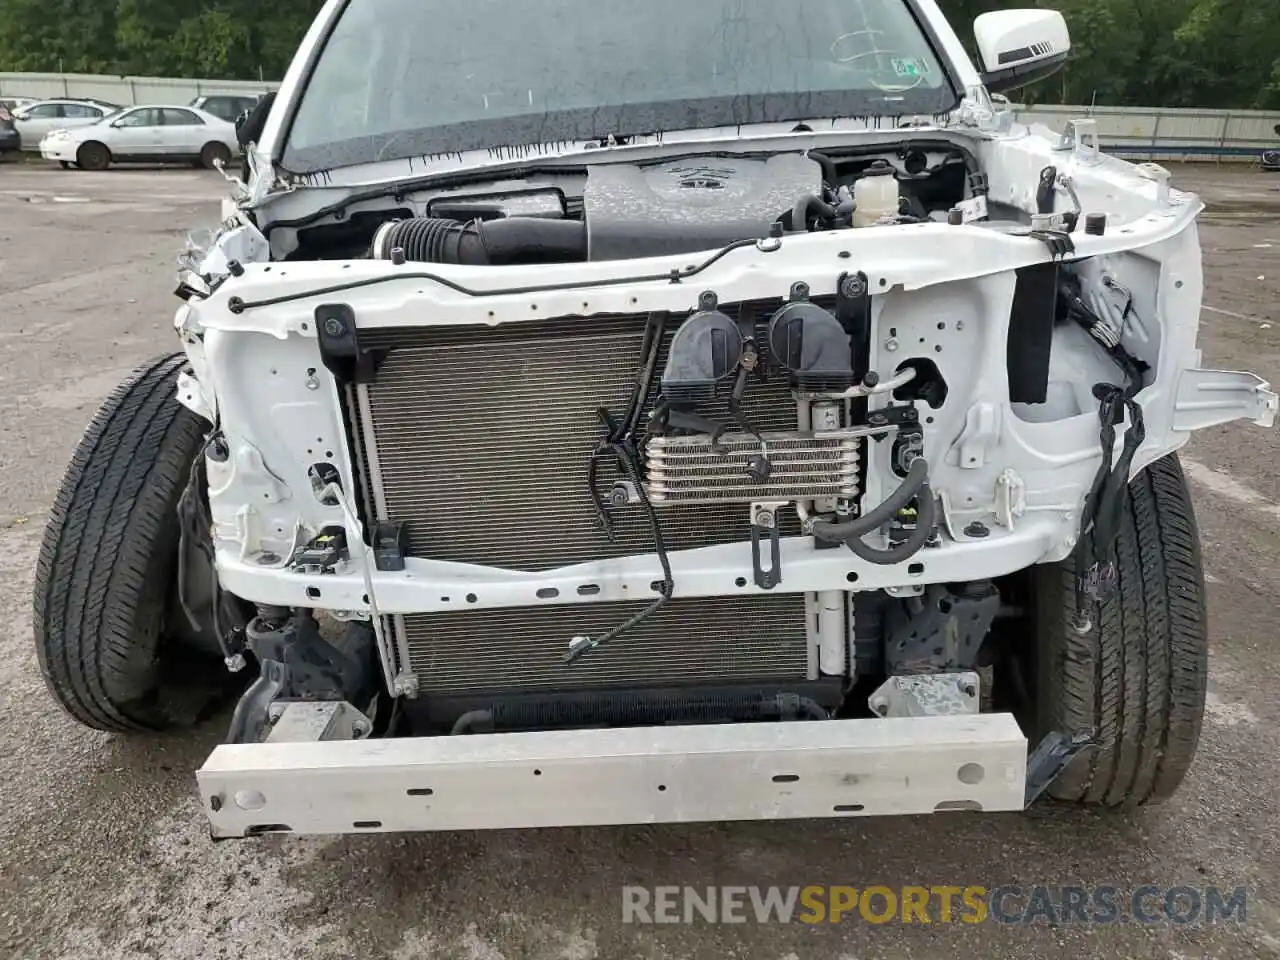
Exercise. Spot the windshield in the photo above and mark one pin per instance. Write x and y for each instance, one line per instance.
(404, 78)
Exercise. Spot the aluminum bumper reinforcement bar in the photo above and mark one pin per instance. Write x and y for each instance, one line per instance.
(758, 771)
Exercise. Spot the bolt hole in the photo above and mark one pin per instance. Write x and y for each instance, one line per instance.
(588, 590)
(786, 778)
(851, 576)
(662, 788)
(313, 593)
(472, 598)
(1178, 284)
(367, 824)
(848, 808)
(328, 454)
(305, 327)
(915, 569)
(893, 331)
(928, 419)
(548, 593)
(421, 792)
(884, 282)
(741, 582)
(364, 599)
(537, 773)
(938, 348)
(444, 599)
(942, 326)
(311, 371)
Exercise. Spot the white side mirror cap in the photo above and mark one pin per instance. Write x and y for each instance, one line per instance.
(1019, 47)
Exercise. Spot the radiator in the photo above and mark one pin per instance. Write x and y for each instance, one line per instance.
(479, 440)
(731, 640)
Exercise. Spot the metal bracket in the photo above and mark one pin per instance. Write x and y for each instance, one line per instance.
(1158, 175)
(1050, 758)
(1011, 497)
(941, 632)
(340, 348)
(928, 695)
(309, 722)
(981, 433)
(764, 524)
(1208, 398)
(1081, 138)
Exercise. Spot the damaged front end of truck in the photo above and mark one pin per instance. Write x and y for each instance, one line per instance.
(760, 470)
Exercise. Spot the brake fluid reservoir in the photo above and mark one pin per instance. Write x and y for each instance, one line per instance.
(876, 194)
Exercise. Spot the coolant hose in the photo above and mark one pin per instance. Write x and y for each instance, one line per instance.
(915, 486)
(806, 204)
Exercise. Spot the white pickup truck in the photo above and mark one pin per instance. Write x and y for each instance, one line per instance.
(597, 412)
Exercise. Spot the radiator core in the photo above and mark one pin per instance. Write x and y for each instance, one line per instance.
(479, 440)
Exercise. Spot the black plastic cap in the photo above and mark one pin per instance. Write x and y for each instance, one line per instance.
(1095, 224)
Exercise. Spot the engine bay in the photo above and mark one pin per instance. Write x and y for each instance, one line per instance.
(616, 211)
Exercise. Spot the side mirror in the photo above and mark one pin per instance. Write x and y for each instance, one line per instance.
(1019, 47)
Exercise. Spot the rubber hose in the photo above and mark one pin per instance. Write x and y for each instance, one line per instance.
(916, 485)
(471, 721)
(800, 212)
(909, 547)
(501, 242)
(827, 164)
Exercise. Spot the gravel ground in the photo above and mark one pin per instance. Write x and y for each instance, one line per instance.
(103, 850)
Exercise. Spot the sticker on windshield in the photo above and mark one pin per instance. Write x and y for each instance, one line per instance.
(909, 67)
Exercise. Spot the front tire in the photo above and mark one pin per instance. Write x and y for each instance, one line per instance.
(106, 570)
(1137, 679)
(93, 156)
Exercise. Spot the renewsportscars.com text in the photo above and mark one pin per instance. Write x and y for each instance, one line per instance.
(1099, 905)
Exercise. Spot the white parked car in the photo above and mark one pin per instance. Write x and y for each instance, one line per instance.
(36, 119)
(147, 134)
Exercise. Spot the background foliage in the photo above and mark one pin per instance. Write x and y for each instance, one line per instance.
(1203, 53)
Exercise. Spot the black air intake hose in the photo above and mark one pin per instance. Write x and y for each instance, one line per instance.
(495, 243)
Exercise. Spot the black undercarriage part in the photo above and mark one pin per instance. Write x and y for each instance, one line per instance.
(646, 708)
(217, 618)
(298, 663)
(941, 630)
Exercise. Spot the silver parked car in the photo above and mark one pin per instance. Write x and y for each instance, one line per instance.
(225, 105)
(36, 119)
(148, 134)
